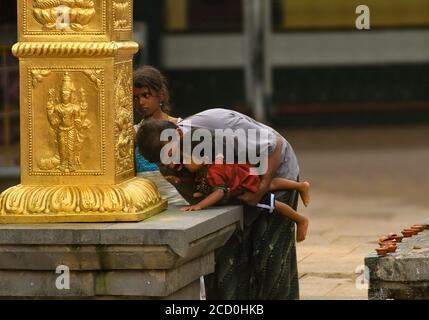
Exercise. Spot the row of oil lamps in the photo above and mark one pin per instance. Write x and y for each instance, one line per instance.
(389, 242)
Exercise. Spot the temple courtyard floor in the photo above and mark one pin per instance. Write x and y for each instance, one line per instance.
(365, 182)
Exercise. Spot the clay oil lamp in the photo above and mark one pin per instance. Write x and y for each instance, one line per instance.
(381, 251)
(413, 231)
(383, 240)
(407, 233)
(394, 236)
(393, 242)
(398, 238)
(391, 248)
(418, 227)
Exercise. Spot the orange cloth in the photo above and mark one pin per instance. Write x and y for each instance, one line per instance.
(236, 177)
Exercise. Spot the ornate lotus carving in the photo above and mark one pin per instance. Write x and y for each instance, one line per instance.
(121, 13)
(79, 12)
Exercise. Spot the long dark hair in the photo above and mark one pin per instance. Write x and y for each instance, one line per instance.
(147, 76)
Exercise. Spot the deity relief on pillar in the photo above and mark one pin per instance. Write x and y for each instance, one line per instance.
(70, 124)
(66, 121)
(124, 146)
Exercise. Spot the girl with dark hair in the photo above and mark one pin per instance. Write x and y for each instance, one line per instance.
(151, 101)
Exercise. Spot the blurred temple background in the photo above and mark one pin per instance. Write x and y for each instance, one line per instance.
(317, 68)
(353, 103)
(289, 62)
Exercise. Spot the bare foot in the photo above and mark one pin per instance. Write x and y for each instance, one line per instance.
(304, 192)
(301, 229)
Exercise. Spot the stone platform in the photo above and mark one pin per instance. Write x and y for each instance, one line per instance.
(403, 274)
(160, 258)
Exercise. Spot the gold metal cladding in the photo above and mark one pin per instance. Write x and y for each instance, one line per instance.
(66, 111)
(74, 49)
(63, 18)
(75, 20)
(76, 116)
(122, 14)
(124, 131)
(70, 124)
(133, 200)
(80, 13)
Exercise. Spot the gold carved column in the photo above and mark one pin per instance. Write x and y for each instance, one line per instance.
(77, 150)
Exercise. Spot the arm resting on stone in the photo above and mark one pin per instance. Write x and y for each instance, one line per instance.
(209, 201)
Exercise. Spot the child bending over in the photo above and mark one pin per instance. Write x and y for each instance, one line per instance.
(220, 182)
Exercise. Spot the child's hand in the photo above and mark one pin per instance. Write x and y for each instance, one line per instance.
(173, 179)
(191, 208)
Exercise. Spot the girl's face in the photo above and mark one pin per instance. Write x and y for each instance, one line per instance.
(146, 101)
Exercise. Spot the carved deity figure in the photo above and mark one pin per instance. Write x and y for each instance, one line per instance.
(124, 127)
(69, 122)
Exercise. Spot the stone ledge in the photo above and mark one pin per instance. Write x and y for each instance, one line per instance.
(410, 262)
(190, 292)
(153, 283)
(403, 274)
(381, 290)
(147, 283)
(107, 257)
(42, 284)
(172, 227)
(160, 258)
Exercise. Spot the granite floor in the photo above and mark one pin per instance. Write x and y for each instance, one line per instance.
(366, 182)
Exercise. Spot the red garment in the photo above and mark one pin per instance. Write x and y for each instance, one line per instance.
(236, 177)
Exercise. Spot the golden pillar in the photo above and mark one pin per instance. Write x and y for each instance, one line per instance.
(76, 109)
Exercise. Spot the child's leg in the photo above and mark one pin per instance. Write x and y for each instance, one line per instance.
(301, 221)
(284, 184)
(198, 195)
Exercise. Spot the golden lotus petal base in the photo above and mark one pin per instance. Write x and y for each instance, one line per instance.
(133, 200)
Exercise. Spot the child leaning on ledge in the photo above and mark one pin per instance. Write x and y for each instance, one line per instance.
(219, 182)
